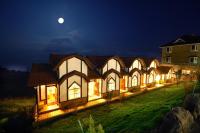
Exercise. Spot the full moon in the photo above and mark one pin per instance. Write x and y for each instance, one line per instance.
(60, 20)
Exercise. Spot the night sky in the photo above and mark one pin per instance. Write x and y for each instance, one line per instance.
(29, 30)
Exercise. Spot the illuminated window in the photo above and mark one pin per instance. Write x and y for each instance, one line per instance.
(74, 91)
(194, 48)
(134, 81)
(111, 84)
(169, 50)
(43, 92)
(168, 59)
(151, 78)
(193, 60)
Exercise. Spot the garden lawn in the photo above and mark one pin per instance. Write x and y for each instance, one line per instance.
(134, 115)
(12, 106)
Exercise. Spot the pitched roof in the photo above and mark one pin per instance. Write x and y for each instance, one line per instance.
(56, 59)
(128, 61)
(163, 69)
(93, 74)
(182, 40)
(98, 61)
(41, 74)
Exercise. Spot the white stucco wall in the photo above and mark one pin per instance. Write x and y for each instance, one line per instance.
(104, 86)
(129, 82)
(74, 78)
(112, 64)
(136, 64)
(84, 68)
(74, 64)
(62, 69)
(63, 91)
(117, 82)
(153, 64)
(104, 68)
(118, 67)
(84, 88)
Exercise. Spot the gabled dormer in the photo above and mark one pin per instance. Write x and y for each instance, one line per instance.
(71, 63)
(112, 63)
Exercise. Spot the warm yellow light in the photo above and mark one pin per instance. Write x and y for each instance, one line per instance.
(157, 77)
(91, 88)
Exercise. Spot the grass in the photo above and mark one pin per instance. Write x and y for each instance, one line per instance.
(11, 106)
(137, 114)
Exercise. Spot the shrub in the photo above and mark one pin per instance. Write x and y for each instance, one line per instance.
(149, 85)
(90, 126)
(134, 89)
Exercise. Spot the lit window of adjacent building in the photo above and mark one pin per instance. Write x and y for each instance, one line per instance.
(168, 59)
(194, 48)
(193, 60)
(169, 50)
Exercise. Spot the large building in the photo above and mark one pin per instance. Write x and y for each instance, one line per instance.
(73, 80)
(183, 52)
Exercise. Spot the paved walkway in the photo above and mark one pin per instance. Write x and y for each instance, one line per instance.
(59, 112)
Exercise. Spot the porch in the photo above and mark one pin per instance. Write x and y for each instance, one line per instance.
(101, 101)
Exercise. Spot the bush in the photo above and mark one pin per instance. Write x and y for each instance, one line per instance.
(149, 85)
(134, 89)
(168, 81)
(90, 126)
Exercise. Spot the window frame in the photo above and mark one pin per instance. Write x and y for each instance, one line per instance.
(108, 83)
(193, 60)
(168, 49)
(74, 89)
(195, 48)
(133, 79)
(168, 59)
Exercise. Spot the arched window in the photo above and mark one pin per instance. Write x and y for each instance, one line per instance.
(74, 91)
(111, 84)
(134, 81)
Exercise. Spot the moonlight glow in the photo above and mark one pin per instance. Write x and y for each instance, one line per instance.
(60, 20)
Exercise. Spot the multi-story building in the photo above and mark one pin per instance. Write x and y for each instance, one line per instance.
(183, 53)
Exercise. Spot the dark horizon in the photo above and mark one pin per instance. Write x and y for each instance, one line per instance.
(30, 31)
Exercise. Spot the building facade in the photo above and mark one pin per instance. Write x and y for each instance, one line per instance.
(72, 80)
(183, 53)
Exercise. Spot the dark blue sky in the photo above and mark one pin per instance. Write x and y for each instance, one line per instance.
(29, 30)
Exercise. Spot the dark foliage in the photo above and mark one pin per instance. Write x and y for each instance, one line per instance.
(21, 122)
(14, 84)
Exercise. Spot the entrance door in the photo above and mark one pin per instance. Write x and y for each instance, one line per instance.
(51, 95)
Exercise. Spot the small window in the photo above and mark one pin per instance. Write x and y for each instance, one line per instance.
(134, 81)
(169, 50)
(111, 84)
(194, 60)
(168, 59)
(194, 48)
(74, 91)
